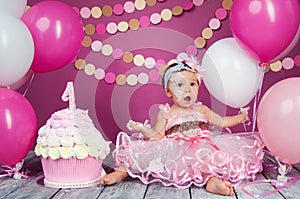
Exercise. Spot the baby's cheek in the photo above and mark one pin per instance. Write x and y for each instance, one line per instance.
(179, 94)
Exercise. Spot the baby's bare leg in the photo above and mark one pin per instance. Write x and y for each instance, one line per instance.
(218, 186)
(115, 177)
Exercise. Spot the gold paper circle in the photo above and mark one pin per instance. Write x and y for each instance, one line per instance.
(127, 57)
(107, 10)
(200, 42)
(134, 24)
(177, 10)
(90, 29)
(121, 79)
(207, 33)
(150, 2)
(227, 4)
(162, 69)
(267, 69)
(80, 64)
(87, 41)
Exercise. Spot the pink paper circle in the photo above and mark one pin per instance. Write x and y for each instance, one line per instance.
(129, 7)
(117, 53)
(214, 23)
(297, 60)
(155, 18)
(159, 63)
(149, 62)
(221, 13)
(153, 75)
(99, 73)
(144, 21)
(112, 28)
(76, 10)
(187, 5)
(198, 2)
(288, 63)
(96, 46)
(110, 78)
(100, 28)
(191, 50)
(143, 78)
(85, 12)
(118, 9)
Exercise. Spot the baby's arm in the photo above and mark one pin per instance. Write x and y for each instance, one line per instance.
(225, 121)
(158, 131)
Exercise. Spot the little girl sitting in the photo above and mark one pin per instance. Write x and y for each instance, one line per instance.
(180, 150)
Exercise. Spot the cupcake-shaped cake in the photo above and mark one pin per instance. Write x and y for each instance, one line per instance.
(71, 148)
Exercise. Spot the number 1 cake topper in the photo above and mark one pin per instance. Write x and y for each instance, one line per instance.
(68, 95)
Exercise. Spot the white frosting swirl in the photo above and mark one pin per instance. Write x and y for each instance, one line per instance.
(66, 152)
(53, 140)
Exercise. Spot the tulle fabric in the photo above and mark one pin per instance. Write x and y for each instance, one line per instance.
(190, 157)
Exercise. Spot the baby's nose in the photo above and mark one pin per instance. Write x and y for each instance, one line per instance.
(188, 88)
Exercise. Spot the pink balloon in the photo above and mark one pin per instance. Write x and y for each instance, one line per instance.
(18, 127)
(278, 120)
(265, 28)
(57, 32)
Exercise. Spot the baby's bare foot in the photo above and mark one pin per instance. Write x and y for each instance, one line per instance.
(218, 186)
(113, 178)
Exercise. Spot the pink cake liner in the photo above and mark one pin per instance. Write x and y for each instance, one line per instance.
(71, 172)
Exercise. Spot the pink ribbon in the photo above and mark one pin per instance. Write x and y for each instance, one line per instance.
(12, 171)
(200, 137)
(279, 184)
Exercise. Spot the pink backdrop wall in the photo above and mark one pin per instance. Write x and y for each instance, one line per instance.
(111, 105)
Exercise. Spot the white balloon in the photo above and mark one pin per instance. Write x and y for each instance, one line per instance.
(13, 7)
(25, 79)
(16, 50)
(230, 74)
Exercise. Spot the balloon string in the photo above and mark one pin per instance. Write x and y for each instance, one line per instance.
(257, 96)
(28, 85)
(270, 157)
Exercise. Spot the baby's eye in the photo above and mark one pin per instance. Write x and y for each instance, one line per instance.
(180, 84)
(193, 84)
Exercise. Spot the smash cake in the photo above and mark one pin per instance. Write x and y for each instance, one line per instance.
(71, 148)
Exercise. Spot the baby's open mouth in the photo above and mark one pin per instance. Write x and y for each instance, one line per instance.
(187, 98)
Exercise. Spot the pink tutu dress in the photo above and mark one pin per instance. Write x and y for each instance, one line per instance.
(189, 153)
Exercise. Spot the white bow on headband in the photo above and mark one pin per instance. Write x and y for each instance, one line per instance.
(192, 62)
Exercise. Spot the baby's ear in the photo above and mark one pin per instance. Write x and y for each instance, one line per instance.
(168, 93)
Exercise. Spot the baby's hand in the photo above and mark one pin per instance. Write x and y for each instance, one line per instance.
(134, 126)
(244, 115)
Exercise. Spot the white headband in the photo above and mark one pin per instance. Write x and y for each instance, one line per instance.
(192, 63)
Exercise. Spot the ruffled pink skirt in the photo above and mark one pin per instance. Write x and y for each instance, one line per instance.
(181, 161)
